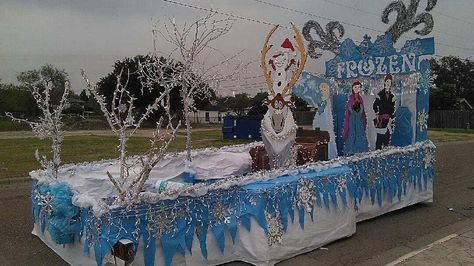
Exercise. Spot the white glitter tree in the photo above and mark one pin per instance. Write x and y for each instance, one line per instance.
(124, 122)
(193, 48)
(49, 125)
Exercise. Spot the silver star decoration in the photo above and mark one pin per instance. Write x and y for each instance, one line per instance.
(220, 212)
(305, 196)
(341, 183)
(253, 200)
(122, 108)
(371, 177)
(159, 223)
(429, 159)
(422, 120)
(45, 202)
(275, 229)
(405, 174)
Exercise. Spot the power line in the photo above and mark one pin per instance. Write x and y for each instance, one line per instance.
(317, 16)
(350, 24)
(452, 17)
(293, 10)
(378, 15)
(222, 13)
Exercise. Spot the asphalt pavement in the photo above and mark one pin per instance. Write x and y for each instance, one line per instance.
(416, 230)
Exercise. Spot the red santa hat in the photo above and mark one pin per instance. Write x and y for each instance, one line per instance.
(286, 47)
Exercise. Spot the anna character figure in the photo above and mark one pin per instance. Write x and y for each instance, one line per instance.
(355, 122)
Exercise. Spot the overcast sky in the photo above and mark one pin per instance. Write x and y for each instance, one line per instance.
(93, 34)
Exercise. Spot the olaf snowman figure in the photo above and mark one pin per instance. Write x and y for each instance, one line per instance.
(282, 62)
(278, 126)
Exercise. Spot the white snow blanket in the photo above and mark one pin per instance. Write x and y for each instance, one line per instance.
(90, 180)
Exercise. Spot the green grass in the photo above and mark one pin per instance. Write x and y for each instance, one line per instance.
(6, 125)
(16, 155)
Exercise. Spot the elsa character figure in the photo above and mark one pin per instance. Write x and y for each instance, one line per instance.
(355, 122)
(323, 118)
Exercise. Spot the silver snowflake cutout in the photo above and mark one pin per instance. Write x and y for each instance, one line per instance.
(253, 200)
(275, 229)
(405, 173)
(305, 196)
(122, 108)
(413, 47)
(45, 202)
(371, 177)
(341, 183)
(422, 120)
(159, 223)
(426, 80)
(221, 213)
(428, 159)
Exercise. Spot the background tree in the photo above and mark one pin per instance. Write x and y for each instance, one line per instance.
(50, 74)
(18, 101)
(453, 79)
(239, 104)
(145, 97)
(257, 108)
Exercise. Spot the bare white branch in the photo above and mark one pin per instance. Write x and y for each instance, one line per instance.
(49, 124)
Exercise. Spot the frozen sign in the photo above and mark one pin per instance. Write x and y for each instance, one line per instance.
(378, 58)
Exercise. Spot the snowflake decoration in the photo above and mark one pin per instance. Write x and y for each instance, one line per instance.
(364, 47)
(422, 120)
(384, 44)
(428, 159)
(341, 183)
(413, 46)
(405, 172)
(221, 213)
(371, 177)
(312, 84)
(45, 202)
(253, 200)
(122, 108)
(426, 81)
(159, 223)
(305, 196)
(347, 50)
(275, 229)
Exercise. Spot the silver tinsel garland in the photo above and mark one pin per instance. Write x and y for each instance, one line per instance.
(329, 41)
(407, 18)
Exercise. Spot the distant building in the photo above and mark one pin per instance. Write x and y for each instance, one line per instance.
(207, 117)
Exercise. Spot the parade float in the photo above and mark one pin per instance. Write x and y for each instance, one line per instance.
(297, 190)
